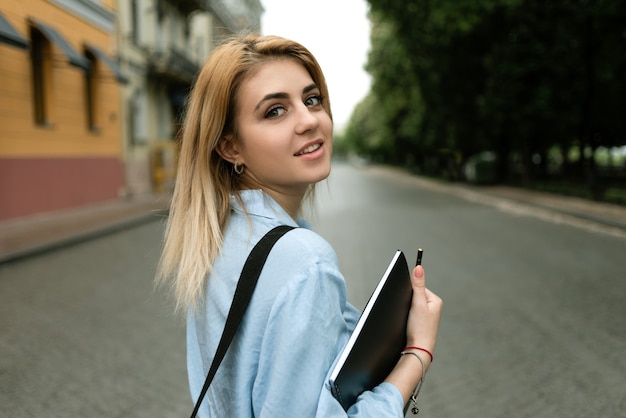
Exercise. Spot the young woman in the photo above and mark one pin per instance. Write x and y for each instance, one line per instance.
(257, 138)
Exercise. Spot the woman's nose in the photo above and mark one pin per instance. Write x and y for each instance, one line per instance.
(306, 119)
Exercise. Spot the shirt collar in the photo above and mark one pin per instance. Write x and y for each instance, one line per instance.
(258, 203)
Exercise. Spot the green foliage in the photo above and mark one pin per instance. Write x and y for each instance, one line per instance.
(518, 77)
(383, 126)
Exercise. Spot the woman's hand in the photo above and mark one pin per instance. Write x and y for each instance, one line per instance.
(421, 331)
(424, 315)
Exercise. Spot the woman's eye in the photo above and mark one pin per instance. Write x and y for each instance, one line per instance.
(313, 100)
(275, 112)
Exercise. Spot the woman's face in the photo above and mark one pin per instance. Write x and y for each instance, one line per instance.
(285, 135)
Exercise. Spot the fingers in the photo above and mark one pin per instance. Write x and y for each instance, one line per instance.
(425, 313)
(418, 282)
(423, 298)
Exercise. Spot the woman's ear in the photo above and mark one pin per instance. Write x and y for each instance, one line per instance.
(228, 149)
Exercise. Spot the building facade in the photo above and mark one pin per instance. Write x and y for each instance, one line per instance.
(60, 118)
(162, 46)
(92, 94)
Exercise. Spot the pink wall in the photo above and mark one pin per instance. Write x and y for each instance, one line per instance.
(35, 185)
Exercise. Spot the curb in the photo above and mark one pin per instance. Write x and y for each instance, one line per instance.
(81, 236)
(599, 217)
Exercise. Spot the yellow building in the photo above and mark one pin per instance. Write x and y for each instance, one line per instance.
(60, 129)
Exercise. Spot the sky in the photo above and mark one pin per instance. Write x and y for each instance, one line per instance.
(337, 33)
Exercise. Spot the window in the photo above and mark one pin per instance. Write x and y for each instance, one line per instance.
(92, 92)
(41, 72)
(43, 37)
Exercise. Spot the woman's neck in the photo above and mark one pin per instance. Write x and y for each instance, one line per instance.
(290, 202)
(289, 198)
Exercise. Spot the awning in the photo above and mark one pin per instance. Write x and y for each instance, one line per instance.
(73, 56)
(10, 36)
(110, 62)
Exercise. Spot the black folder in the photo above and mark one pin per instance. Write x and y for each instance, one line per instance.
(378, 338)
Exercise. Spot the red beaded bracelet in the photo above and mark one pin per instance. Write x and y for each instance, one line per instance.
(421, 349)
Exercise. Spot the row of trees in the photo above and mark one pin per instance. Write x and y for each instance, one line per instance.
(524, 79)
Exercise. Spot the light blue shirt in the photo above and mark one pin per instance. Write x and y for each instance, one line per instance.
(298, 320)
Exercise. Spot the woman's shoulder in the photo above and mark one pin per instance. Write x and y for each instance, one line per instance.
(302, 267)
(301, 255)
(303, 242)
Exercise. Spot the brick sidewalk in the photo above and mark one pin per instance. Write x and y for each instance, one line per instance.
(35, 234)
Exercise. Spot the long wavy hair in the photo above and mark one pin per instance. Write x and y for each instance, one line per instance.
(201, 201)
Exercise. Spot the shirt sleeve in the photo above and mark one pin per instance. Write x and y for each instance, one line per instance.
(309, 323)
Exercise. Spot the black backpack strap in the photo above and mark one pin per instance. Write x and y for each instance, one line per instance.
(243, 293)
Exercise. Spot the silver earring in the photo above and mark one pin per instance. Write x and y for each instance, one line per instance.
(237, 168)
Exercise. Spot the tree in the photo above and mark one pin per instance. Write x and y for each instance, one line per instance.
(518, 77)
(386, 122)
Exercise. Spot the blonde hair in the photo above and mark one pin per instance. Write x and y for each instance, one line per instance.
(201, 201)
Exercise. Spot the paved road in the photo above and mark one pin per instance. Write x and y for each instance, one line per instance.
(533, 318)
(84, 334)
(534, 305)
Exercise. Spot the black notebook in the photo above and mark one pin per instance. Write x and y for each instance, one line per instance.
(378, 338)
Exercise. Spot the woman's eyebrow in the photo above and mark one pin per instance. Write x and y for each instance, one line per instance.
(270, 97)
(282, 95)
(310, 87)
